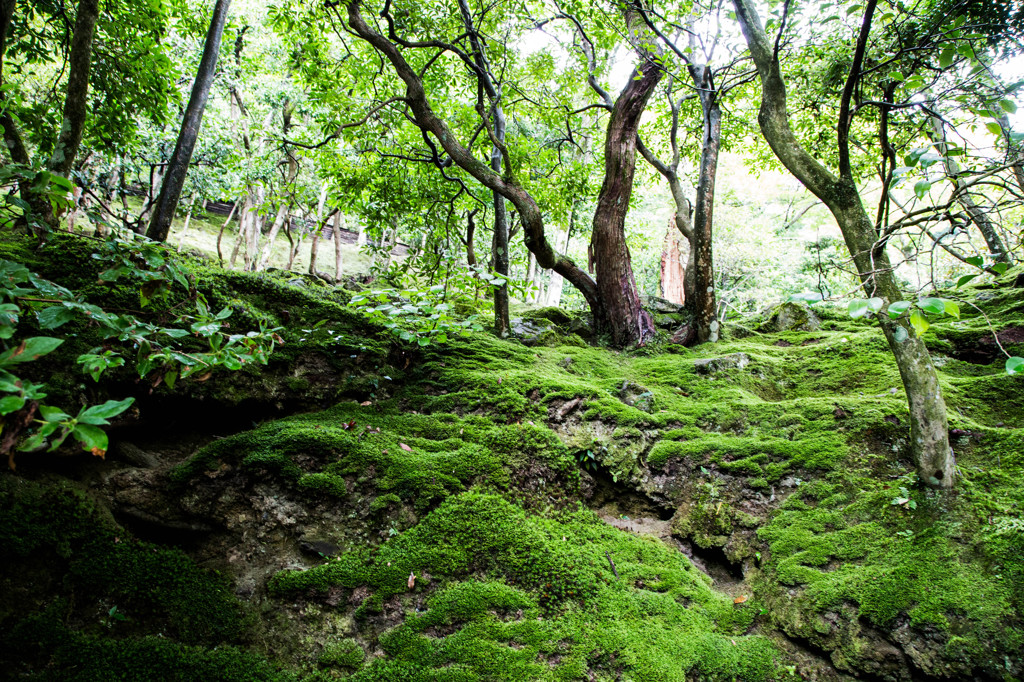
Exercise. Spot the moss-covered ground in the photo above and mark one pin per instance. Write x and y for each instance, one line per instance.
(447, 497)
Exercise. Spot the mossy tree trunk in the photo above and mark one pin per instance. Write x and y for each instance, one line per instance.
(929, 442)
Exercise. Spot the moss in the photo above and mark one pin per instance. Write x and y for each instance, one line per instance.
(519, 596)
(345, 653)
(101, 605)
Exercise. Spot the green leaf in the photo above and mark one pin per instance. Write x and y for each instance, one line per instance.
(935, 306)
(53, 414)
(919, 322)
(1008, 105)
(921, 188)
(946, 56)
(976, 261)
(900, 334)
(951, 308)
(99, 414)
(30, 349)
(1014, 365)
(54, 316)
(965, 279)
(858, 308)
(92, 438)
(1000, 268)
(11, 403)
(898, 308)
(994, 128)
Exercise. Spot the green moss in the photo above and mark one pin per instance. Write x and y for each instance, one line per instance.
(521, 596)
(345, 653)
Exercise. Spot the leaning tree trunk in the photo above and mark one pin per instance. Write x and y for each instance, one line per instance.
(620, 314)
(174, 179)
(929, 436)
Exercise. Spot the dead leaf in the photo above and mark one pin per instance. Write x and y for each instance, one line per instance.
(412, 580)
(99, 452)
(499, 380)
(740, 599)
(204, 376)
(405, 447)
(366, 403)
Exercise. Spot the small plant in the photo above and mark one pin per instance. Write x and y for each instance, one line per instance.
(587, 460)
(904, 500)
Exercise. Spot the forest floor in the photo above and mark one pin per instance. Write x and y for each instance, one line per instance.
(526, 509)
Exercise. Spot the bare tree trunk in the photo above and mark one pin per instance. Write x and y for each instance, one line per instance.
(188, 221)
(470, 234)
(929, 435)
(174, 180)
(220, 235)
(703, 304)
(672, 272)
(620, 314)
(244, 218)
(275, 227)
(314, 245)
(337, 248)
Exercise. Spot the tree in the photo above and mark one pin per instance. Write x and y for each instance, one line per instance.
(177, 168)
(929, 439)
(613, 297)
(72, 124)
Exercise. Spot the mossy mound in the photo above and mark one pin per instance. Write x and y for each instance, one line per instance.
(502, 594)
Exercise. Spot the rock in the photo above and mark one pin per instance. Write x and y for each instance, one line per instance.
(551, 314)
(792, 316)
(535, 332)
(684, 336)
(712, 365)
(660, 305)
(319, 548)
(637, 396)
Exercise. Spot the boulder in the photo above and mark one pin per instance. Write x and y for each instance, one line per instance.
(792, 316)
(712, 365)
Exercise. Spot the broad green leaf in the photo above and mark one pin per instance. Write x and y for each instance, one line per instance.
(976, 261)
(99, 414)
(1000, 268)
(921, 188)
(946, 56)
(994, 128)
(875, 304)
(935, 306)
(919, 322)
(898, 308)
(965, 279)
(858, 308)
(11, 403)
(53, 414)
(900, 334)
(951, 308)
(1008, 105)
(30, 349)
(92, 438)
(54, 316)
(1014, 365)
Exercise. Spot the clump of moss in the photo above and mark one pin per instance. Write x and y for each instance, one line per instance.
(514, 595)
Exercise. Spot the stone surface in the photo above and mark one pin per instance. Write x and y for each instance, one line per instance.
(712, 365)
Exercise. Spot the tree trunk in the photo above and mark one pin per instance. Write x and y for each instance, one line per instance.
(220, 235)
(174, 179)
(929, 437)
(705, 311)
(672, 271)
(470, 234)
(188, 221)
(337, 248)
(275, 227)
(977, 214)
(619, 312)
(427, 120)
(75, 109)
